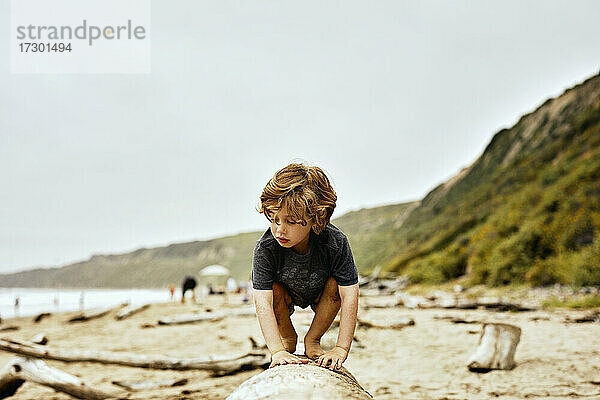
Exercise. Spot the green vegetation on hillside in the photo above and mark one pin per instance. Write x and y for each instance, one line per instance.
(527, 211)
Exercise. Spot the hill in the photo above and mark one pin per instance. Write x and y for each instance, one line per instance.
(157, 267)
(527, 210)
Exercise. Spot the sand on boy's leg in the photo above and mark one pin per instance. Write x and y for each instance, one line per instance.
(281, 303)
(328, 305)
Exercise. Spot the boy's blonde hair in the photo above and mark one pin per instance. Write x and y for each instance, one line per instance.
(306, 193)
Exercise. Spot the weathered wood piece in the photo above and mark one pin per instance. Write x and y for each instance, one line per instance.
(409, 301)
(365, 280)
(381, 302)
(20, 369)
(301, 381)
(217, 364)
(205, 316)
(41, 316)
(593, 316)
(145, 385)
(129, 310)
(456, 320)
(389, 323)
(9, 328)
(498, 304)
(90, 314)
(497, 345)
(40, 339)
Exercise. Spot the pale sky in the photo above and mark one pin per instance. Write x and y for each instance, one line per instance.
(391, 98)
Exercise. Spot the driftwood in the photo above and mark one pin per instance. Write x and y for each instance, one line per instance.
(372, 285)
(409, 301)
(497, 346)
(385, 302)
(9, 328)
(301, 381)
(391, 323)
(593, 316)
(366, 280)
(205, 316)
(40, 339)
(41, 316)
(440, 299)
(216, 364)
(145, 385)
(456, 320)
(91, 314)
(20, 369)
(129, 310)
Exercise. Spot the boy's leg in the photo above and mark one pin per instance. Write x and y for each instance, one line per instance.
(281, 303)
(327, 308)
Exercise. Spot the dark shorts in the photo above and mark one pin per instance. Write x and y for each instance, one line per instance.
(313, 306)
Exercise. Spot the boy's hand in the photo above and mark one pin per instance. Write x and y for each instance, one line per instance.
(283, 357)
(336, 356)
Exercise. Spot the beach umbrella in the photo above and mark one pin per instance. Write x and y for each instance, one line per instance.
(215, 270)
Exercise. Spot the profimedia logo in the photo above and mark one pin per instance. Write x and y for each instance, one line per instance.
(80, 36)
(85, 31)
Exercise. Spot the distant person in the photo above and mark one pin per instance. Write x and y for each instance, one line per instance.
(303, 260)
(17, 305)
(81, 300)
(189, 283)
(172, 290)
(232, 285)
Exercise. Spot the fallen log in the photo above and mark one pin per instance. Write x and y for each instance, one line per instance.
(498, 304)
(389, 323)
(381, 303)
(408, 301)
(365, 280)
(215, 364)
(129, 310)
(593, 316)
(456, 320)
(497, 345)
(41, 316)
(20, 369)
(90, 314)
(40, 339)
(205, 316)
(301, 381)
(145, 385)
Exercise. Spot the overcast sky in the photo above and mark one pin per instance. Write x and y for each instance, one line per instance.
(391, 98)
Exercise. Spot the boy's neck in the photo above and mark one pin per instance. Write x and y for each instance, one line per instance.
(303, 246)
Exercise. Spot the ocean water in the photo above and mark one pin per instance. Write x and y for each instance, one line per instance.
(35, 301)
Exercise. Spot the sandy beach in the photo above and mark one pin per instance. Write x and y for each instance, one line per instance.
(554, 359)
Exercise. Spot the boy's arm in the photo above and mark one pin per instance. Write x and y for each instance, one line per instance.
(348, 312)
(263, 301)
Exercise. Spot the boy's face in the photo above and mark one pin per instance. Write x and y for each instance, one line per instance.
(289, 232)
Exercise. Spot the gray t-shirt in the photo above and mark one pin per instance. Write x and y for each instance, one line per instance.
(304, 275)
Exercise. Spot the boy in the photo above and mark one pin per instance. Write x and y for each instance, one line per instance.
(303, 260)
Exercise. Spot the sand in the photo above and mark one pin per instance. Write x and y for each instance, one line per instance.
(554, 360)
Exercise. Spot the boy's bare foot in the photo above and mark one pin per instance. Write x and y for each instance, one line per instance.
(290, 343)
(312, 348)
